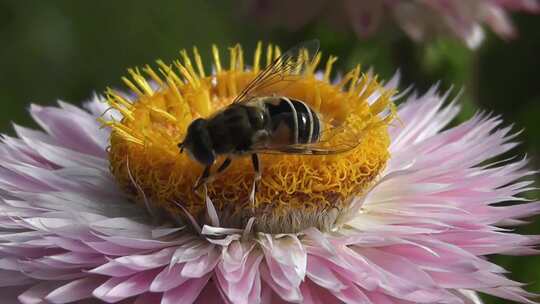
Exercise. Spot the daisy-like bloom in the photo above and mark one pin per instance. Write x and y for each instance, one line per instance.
(92, 214)
(419, 19)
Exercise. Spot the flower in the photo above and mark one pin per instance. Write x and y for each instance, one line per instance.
(414, 228)
(420, 20)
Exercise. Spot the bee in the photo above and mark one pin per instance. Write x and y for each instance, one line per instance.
(260, 120)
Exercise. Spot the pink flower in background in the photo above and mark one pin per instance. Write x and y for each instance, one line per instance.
(419, 234)
(420, 20)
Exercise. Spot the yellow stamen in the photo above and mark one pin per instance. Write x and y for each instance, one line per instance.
(257, 57)
(188, 65)
(328, 69)
(198, 61)
(269, 58)
(277, 52)
(141, 82)
(148, 70)
(217, 62)
(132, 86)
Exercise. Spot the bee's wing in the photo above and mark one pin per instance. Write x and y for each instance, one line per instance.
(306, 149)
(334, 140)
(286, 68)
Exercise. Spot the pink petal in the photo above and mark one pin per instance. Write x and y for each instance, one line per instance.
(187, 292)
(74, 291)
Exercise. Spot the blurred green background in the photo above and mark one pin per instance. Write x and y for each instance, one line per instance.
(68, 50)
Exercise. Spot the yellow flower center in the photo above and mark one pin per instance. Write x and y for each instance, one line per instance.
(295, 192)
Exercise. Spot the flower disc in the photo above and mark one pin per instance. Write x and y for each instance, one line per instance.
(295, 192)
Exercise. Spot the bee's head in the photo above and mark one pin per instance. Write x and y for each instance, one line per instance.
(198, 143)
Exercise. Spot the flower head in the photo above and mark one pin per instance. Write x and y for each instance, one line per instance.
(420, 20)
(417, 205)
(296, 192)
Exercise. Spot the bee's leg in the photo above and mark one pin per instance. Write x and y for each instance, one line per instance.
(224, 165)
(203, 178)
(256, 166)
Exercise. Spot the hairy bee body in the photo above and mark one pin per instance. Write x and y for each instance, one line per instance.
(244, 128)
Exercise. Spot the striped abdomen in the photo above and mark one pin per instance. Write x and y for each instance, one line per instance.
(293, 122)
